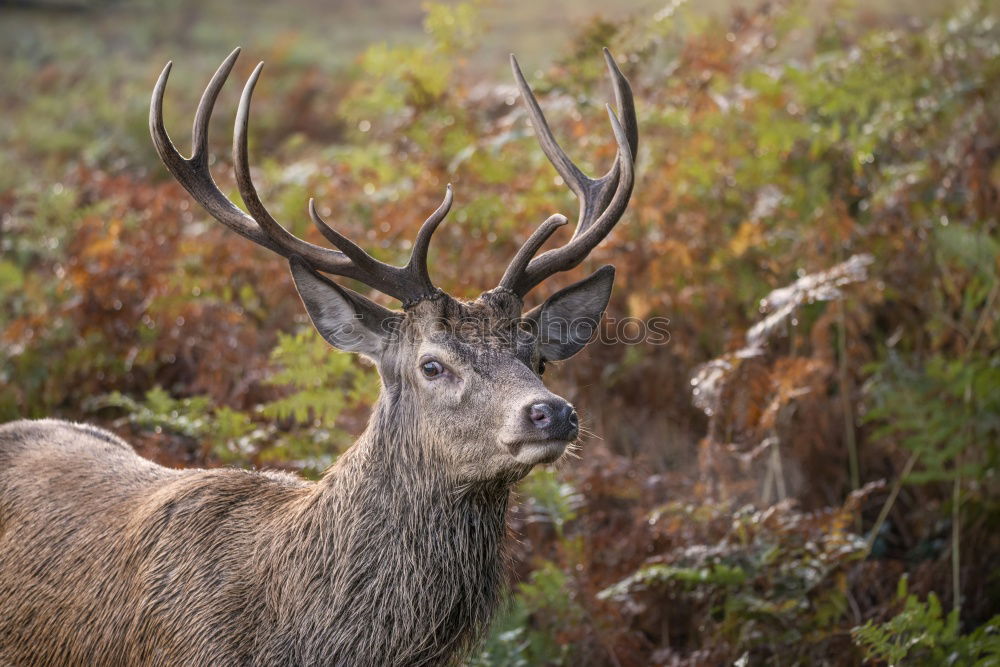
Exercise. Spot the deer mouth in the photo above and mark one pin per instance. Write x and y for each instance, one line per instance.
(533, 452)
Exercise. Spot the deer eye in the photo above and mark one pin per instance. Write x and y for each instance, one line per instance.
(431, 369)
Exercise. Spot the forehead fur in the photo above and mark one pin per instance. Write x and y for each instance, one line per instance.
(490, 321)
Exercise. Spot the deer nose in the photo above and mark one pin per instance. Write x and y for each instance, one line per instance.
(556, 417)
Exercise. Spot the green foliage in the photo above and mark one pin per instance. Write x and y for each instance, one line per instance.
(514, 642)
(555, 499)
(323, 382)
(921, 635)
(396, 78)
(453, 28)
(775, 584)
(11, 278)
(524, 633)
(947, 412)
(227, 433)
(190, 417)
(716, 575)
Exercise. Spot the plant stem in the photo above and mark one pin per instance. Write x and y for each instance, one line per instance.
(956, 527)
(896, 486)
(845, 398)
(779, 472)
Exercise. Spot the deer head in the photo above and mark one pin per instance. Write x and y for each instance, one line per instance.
(462, 378)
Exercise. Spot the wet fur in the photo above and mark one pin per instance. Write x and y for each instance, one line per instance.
(112, 559)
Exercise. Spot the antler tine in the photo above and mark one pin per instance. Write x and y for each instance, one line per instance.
(415, 269)
(575, 179)
(529, 248)
(602, 200)
(574, 252)
(408, 283)
(418, 257)
(355, 252)
(593, 193)
(287, 243)
(193, 173)
(624, 101)
(199, 133)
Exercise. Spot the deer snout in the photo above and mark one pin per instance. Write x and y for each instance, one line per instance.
(555, 418)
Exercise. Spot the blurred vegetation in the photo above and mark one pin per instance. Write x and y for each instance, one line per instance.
(817, 213)
(920, 634)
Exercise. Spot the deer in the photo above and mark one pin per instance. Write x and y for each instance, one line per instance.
(396, 555)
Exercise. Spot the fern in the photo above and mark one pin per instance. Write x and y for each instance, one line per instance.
(324, 383)
(921, 635)
(513, 639)
(228, 433)
(947, 411)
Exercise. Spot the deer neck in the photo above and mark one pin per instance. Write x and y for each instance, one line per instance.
(404, 544)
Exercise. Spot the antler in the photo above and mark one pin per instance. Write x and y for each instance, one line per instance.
(602, 200)
(407, 283)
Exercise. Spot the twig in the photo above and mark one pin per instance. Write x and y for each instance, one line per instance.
(768, 486)
(981, 322)
(896, 486)
(845, 398)
(779, 472)
(956, 528)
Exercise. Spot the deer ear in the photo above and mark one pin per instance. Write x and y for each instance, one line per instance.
(347, 320)
(568, 319)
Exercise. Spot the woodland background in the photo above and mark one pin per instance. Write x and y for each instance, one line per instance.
(801, 476)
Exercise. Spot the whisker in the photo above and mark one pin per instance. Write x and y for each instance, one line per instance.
(590, 434)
